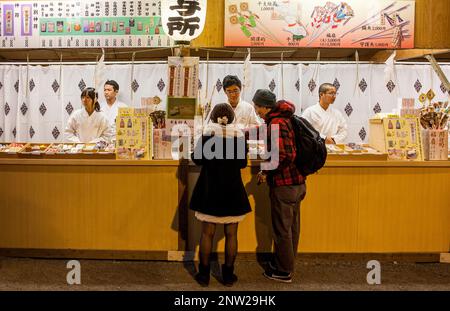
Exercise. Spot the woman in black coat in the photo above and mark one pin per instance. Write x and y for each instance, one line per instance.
(219, 196)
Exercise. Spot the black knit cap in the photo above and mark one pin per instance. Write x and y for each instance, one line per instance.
(264, 98)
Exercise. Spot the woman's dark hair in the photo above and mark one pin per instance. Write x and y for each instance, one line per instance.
(222, 110)
(230, 81)
(92, 94)
(113, 83)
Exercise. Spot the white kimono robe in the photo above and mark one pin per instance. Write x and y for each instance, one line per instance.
(112, 111)
(328, 122)
(245, 115)
(82, 128)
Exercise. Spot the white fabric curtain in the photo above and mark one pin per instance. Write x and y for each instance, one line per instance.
(9, 99)
(262, 77)
(36, 101)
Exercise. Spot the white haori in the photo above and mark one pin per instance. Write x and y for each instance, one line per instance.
(245, 115)
(84, 128)
(112, 111)
(328, 122)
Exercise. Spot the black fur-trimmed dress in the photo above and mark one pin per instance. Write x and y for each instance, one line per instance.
(219, 195)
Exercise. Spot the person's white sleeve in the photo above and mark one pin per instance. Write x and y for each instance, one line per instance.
(113, 130)
(254, 119)
(70, 132)
(342, 131)
(106, 131)
(308, 117)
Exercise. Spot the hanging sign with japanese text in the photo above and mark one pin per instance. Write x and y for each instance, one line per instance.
(82, 24)
(182, 91)
(183, 20)
(383, 24)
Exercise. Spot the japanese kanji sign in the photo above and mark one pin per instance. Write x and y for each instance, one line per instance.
(183, 20)
(81, 24)
(384, 24)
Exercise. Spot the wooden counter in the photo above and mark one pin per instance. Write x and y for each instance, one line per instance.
(89, 205)
(138, 209)
(358, 207)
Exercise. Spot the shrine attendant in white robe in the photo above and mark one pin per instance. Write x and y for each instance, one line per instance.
(111, 106)
(88, 124)
(245, 115)
(328, 121)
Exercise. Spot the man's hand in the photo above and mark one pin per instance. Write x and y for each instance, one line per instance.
(329, 140)
(261, 177)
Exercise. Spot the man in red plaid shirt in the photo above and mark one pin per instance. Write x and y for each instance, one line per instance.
(287, 185)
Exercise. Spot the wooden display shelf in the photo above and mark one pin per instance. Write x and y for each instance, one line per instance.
(33, 154)
(87, 162)
(10, 155)
(356, 157)
(81, 155)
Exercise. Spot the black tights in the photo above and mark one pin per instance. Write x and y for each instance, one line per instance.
(206, 241)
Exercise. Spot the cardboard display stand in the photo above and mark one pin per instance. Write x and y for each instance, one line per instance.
(134, 134)
(435, 144)
(399, 137)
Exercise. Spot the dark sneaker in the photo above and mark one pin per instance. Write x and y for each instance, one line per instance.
(272, 265)
(278, 276)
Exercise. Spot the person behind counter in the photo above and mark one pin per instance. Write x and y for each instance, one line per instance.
(88, 124)
(219, 196)
(111, 106)
(328, 121)
(245, 113)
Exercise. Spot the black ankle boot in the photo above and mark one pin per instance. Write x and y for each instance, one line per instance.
(202, 277)
(228, 277)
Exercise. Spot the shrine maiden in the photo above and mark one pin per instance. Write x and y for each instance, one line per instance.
(88, 124)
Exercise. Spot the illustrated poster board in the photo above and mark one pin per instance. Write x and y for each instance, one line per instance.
(382, 24)
(134, 134)
(403, 139)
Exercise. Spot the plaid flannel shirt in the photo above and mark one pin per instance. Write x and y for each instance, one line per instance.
(286, 173)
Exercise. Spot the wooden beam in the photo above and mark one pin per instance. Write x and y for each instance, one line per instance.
(440, 73)
(182, 50)
(418, 53)
(381, 56)
(240, 53)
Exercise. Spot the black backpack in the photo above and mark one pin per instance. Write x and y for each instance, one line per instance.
(311, 149)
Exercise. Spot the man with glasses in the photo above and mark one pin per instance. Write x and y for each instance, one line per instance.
(245, 113)
(327, 120)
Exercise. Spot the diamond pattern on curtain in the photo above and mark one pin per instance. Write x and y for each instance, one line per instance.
(37, 109)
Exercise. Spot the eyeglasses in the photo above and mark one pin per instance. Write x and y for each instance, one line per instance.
(332, 94)
(233, 92)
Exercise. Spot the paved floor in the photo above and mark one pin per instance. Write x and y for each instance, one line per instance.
(323, 274)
